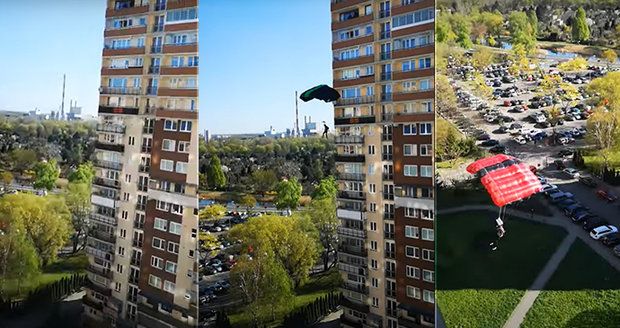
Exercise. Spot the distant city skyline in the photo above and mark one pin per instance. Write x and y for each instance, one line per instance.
(54, 38)
(250, 69)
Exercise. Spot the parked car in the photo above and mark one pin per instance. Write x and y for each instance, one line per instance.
(602, 231)
(593, 222)
(617, 251)
(573, 173)
(581, 217)
(588, 181)
(611, 240)
(574, 208)
(559, 164)
(499, 149)
(547, 188)
(520, 140)
(606, 195)
(565, 153)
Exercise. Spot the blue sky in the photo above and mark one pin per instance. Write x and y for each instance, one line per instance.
(254, 55)
(43, 39)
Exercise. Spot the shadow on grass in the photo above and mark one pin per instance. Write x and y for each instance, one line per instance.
(68, 264)
(594, 318)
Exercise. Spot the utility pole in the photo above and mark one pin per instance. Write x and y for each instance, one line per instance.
(62, 104)
(296, 116)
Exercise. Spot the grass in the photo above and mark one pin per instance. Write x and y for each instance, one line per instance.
(452, 197)
(63, 267)
(477, 287)
(450, 164)
(593, 160)
(583, 292)
(318, 285)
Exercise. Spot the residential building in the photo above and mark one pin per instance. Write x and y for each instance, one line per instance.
(383, 67)
(143, 227)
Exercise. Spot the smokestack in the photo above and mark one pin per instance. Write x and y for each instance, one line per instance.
(62, 105)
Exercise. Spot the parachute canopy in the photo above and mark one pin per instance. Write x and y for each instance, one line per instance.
(321, 92)
(505, 178)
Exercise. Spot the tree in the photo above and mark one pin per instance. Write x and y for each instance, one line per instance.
(84, 173)
(18, 257)
(264, 180)
(576, 64)
(327, 188)
(606, 90)
(215, 176)
(462, 29)
(212, 212)
(248, 201)
(23, 159)
(482, 58)
(480, 86)
(553, 84)
(77, 198)
(288, 194)
(7, 179)
(610, 56)
(46, 174)
(603, 128)
(521, 31)
(580, 28)
(45, 220)
(446, 104)
(322, 213)
(520, 61)
(443, 29)
(533, 21)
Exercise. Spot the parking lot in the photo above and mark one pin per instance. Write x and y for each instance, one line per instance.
(517, 121)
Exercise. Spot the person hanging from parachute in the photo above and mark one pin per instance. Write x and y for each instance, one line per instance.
(321, 92)
(507, 180)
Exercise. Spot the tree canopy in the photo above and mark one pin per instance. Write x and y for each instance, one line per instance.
(288, 194)
(46, 174)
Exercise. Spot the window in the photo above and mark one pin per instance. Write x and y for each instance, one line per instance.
(175, 228)
(375, 302)
(171, 267)
(428, 275)
(372, 207)
(173, 248)
(426, 128)
(428, 234)
(182, 15)
(413, 292)
(426, 171)
(371, 149)
(411, 212)
(121, 251)
(181, 167)
(184, 146)
(157, 262)
(428, 255)
(410, 150)
(176, 209)
(177, 61)
(185, 126)
(410, 170)
(418, 16)
(373, 225)
(412, 232)
(374, 283)
(154, 281)
(160, 224)
(409, 129)
(351, 93)
(427, 106)
(168, 145)
(413, 272)
(425, 84)
(169, 286)
(426, 150)
(349, 54)
(170, 125)
(424, 63)
(374, 264)
(159, 243)
(412, 251)
(372, 188)
(373, 245)
(429, 296)
(162, 206)
(192, 61)
(117, 286)
(166, 165)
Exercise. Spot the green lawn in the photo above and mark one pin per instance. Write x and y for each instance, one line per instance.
(594, 160)
(584, 292)
(63, 267)
(477, 287)
(316, 287)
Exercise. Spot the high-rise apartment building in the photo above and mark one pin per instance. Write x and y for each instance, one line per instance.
(383, 66)
(143, 236)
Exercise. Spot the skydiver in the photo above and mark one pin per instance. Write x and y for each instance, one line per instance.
(326, 129)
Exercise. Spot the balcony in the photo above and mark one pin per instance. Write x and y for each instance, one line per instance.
(350, 158)
(384, 13)
(385, 35)
(154, 69)
(388, 234)
(390, 274)
(138, 224)
(173, 70)
(103, 219)
(362, 79)
(103, 199)
(390, 293)
(104, 255)
(107, 164)
(387, 157)
(355, 251)
(388, 215)
(157, 28)
(118, 110)
(353, 42)
(146, 149)
(109, 51)
(141, 207)
(408, 323)
(349, 232)
(352, 176)
(355, 101)
(360, 60)
(105, 182)
(386, 96)
(347, 194)
(365, 119)
(156, 49)
(120, 91)
(151, 91)
(387, 117)
(106, 71)
(414, 95)
(111, 128)
(351, 22)
(355, 287)
(388, 176)
(189, 26)
(136, 243)
(385, 56)
(99, 271)
(144, 168)
(388, 196)
(417, 73)
(349, 139)
(103, 236)
(146, 315)
(135, 261)
(178, 92)
(390, 254)
(180, 48)
(128, 10)
(397, 8)
(97, 305)
(110, 147)
(417, 50)
(340, 4)
(176, 4)
(133, 280)
(386, 76)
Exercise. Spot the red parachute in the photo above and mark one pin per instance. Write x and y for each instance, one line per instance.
(506, 179)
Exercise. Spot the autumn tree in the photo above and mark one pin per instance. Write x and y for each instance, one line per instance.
(7, 179)
(46, 174)
(19, 261)
(580, 29)
(288, 194)
(576, 64)
(446, 104)
(610, 56)
(603, 131)
(248, 201)
(212, 212)
(606, 91)
(482, 58)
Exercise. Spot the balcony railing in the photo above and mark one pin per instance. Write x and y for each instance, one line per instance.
(386, 96)
(135, 261)
(98, 253)
(156, 49)
(108, 164)
(118, 110)
(104, 219)
(352, 232)
(120, 91)
(387, 117)
(110, 147)
(145, 149)
(386, 76)
(385, 55)
(388, 176)
(138, 224)
(154, 69)
(107, 182)
(390, 293)
(99, 271)
(136, 243)
(144, 168)
(344, 139)
(388, 215)
(388, 234)
(141, 207)
(104, 236)
(112, 128)
(355, 101)
(387, 157)
(355, 287)
(357, 251)
(158, 28)
(365, 119)
(352, 176)
(347, 194)
(151, 91)
(148, 130)
(384, 13)
(350, 158)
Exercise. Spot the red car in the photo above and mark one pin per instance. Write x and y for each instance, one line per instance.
(606, 195)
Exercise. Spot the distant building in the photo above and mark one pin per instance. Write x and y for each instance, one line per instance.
(75, 112)
(310, 128)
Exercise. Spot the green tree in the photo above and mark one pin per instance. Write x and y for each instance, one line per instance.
(443, 29)
(580, 28)
(215, 175)
(521, 31)
(533, 20)
(462, 28)
(19, 260)
(212, 212)
(482, 58)
(327, 188)
(264, 181)
(248, 201)
(23, 159)
(322, 213)
(84, 173)
(7, 179)
(288, 194)
(446, 104)
(46, 174)
(606, 91)
(77, 198)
